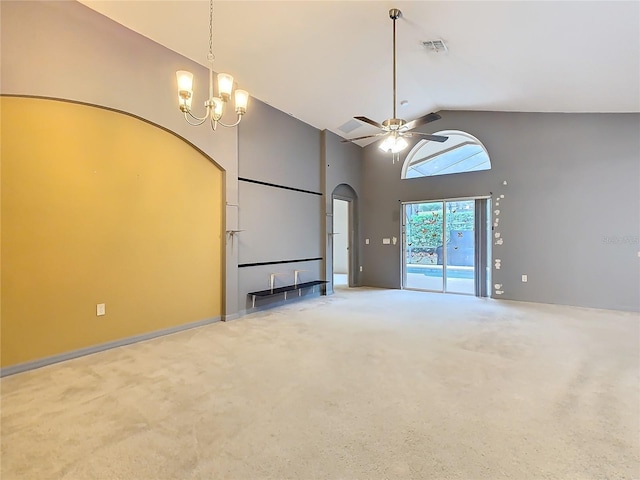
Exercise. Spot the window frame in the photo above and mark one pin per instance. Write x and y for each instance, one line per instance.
(469, 140)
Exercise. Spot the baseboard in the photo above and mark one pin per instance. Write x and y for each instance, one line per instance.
(226, 318)
(42, 362)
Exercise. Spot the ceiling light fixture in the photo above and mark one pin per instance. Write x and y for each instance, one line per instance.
(215, 105)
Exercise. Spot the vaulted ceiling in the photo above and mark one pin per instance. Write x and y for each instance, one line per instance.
(326, 61)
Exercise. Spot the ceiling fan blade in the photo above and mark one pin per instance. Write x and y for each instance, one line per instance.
(361, 138)
(369, 121)
(435, 138)
(432, 117)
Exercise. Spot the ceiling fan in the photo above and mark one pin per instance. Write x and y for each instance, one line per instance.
(396, 129)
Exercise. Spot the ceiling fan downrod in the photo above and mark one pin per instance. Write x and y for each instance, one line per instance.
(394, 14)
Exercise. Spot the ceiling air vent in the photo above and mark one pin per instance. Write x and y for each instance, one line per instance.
(350, 126)
(435, 46)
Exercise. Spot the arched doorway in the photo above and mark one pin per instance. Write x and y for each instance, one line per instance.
(343, 237)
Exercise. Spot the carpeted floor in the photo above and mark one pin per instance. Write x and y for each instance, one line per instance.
(365, 384)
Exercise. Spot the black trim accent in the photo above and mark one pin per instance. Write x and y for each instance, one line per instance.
(240, 179)
(259, 264)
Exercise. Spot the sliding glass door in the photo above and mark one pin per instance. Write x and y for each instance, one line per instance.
(423, 268)
(459, 256)
(440, 246)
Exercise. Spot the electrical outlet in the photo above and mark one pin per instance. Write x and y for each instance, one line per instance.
(360, 267)
(101, 309)
(525, 278)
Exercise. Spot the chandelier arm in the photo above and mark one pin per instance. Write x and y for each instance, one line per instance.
(233, 124)
(214, 123)
(199, 121)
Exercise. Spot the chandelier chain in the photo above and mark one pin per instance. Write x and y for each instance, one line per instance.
(211, 56)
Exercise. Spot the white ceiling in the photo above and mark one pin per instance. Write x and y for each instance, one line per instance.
(326, 61)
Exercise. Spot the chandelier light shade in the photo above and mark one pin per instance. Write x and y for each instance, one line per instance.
(185, 89)
(214, 105)
(242, 99)
(225, 86)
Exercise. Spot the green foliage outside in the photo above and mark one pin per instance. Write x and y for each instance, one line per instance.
(425, 226)
(425, 230)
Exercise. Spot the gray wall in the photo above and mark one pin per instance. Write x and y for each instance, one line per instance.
(278, 224)
(570, 218)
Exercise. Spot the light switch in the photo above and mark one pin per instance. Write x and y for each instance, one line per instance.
(100, 309)
(386, 241)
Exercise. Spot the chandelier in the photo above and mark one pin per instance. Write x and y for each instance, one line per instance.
(215, 105)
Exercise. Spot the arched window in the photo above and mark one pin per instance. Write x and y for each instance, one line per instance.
(460, 153)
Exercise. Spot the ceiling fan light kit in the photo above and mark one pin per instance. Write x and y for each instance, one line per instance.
(395, 130)
(214, 105)
(393, 144)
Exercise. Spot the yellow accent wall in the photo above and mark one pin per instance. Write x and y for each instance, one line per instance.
(101, 207)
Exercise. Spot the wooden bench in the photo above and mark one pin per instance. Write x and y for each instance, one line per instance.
(287, 288)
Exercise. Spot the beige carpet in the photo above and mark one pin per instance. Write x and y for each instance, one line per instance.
(365, 384)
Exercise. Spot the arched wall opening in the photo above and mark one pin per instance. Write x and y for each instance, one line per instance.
(100, 207)
(344, 235)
